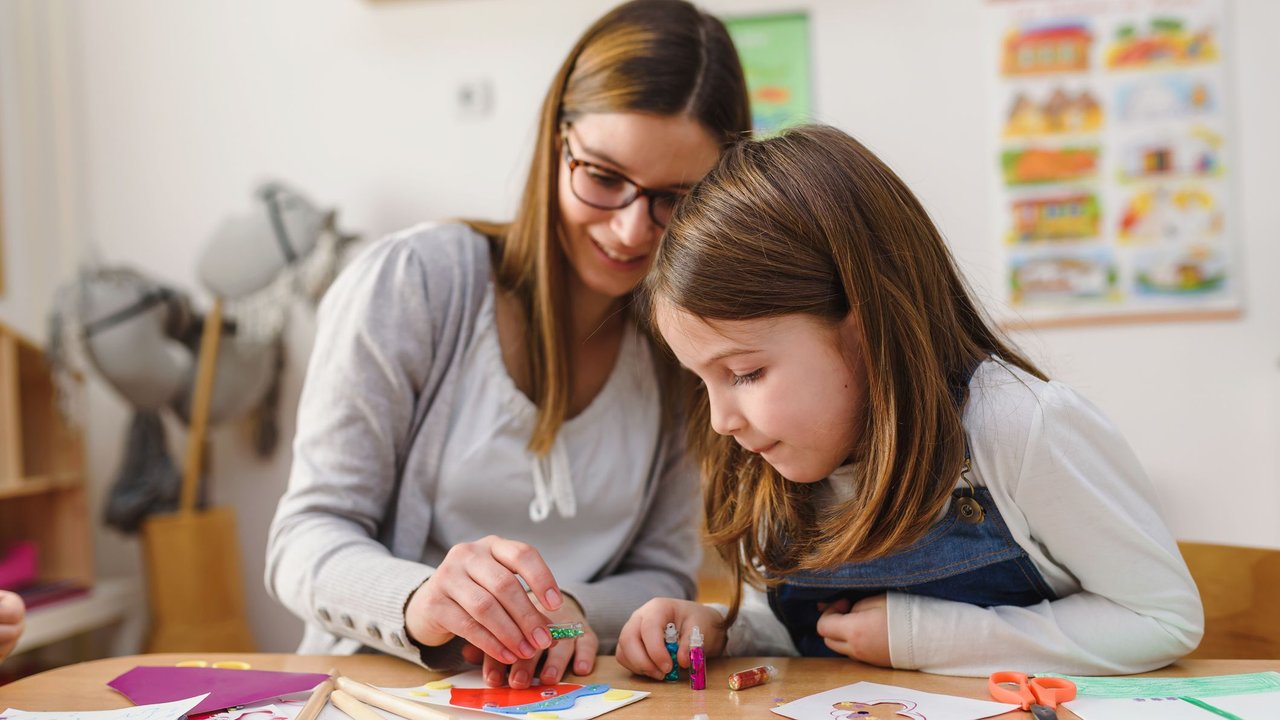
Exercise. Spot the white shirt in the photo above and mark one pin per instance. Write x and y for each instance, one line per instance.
(589, 484)
(1077, 501)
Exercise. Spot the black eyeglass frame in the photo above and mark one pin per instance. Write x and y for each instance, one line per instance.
(638, 189)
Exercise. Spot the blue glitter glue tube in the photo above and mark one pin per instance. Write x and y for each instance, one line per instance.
(672, 639)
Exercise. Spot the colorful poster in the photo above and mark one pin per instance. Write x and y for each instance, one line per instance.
(1111, 163)
(774, 50)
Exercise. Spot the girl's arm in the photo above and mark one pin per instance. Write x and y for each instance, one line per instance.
(1075, 497)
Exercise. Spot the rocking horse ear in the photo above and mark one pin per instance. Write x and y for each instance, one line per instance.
(247, 252)
(127, 320)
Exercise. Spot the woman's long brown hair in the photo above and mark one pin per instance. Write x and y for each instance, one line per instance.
(663, 57)
(812, 222)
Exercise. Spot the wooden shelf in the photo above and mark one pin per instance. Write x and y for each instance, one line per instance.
(39, 484)
(42, 488)
(112, 600)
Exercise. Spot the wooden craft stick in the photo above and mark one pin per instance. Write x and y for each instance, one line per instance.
(318, 698)
(353, 707)
(393, 704)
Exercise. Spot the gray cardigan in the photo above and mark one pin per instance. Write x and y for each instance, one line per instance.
(346, 547)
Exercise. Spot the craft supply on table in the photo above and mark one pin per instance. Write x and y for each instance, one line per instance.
(370, 695)
(1247, 696)
(697, 661)
(225, 688)
(864, 699)
(752, 677)
(318, 698)
(468, 691)
(565, 631)
(175, 710)
(671, 637)
(1040, 695)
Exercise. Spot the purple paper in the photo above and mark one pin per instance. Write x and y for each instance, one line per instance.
(226, 688)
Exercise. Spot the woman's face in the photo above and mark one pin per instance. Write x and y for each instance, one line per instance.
(611, 250)
(792, 389)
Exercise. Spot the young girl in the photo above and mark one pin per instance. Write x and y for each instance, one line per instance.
(480, 408)
(912, 491)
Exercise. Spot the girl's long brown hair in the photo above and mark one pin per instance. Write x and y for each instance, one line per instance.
(812, 222)
(663, 57)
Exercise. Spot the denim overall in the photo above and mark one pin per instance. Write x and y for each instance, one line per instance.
(966, 557)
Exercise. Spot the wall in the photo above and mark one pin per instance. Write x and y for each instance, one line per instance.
(171, 112)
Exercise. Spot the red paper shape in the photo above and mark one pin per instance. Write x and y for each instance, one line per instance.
(227, 688)
(506, 697)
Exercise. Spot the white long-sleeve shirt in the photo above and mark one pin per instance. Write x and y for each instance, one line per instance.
(1077, 501)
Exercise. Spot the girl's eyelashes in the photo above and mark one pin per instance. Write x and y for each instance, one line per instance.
(747, 378)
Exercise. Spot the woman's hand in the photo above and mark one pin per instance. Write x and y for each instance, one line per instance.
(642, 647)
(578, 654)
(474, 594)
(12, 612)
(860, 631)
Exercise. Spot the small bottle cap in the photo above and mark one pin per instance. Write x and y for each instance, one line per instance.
(672, 635)
(695, 640)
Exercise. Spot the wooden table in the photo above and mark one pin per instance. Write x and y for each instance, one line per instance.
(83, 686)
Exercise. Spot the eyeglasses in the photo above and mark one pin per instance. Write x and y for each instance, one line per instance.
(606, 189)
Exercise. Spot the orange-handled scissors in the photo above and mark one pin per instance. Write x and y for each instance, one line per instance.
(1040, 695)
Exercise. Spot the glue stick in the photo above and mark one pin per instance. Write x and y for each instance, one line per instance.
(752, 677)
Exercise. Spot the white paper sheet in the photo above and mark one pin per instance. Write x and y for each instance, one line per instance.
(845, 703)
(586, 708)
(159, 711)
(1256, 706)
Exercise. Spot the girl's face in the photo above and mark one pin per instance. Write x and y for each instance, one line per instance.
(791, 388)
(610, 250)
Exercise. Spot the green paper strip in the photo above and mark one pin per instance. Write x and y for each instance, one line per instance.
(1211, 708)
(1199, 687)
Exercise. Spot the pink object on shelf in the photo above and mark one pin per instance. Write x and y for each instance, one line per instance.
(18, 565)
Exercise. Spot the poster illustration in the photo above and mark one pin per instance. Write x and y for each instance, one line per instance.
(774, 50)
(1112, 159)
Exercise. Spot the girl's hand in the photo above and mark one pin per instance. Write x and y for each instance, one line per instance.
(576, 654)
(474, 594)
(12, 612)
(642, 648)
(860, 632)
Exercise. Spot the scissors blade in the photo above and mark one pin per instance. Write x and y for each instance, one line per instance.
(1042, 712)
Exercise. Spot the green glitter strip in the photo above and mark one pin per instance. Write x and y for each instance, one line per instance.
(566, 631)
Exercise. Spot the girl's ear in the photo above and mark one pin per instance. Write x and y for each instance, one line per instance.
(851, 338)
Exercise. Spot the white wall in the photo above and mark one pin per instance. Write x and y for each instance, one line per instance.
(171, 112)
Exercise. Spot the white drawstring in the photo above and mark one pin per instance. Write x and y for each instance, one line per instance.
(551, 483)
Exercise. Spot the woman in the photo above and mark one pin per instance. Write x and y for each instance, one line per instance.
(480, 404)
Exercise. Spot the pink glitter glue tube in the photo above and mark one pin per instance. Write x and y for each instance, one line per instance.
(697, 661)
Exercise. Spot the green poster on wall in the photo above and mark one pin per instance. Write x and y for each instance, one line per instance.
(775, 58)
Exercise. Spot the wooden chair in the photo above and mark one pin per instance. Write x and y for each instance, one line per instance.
(1240, 587)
